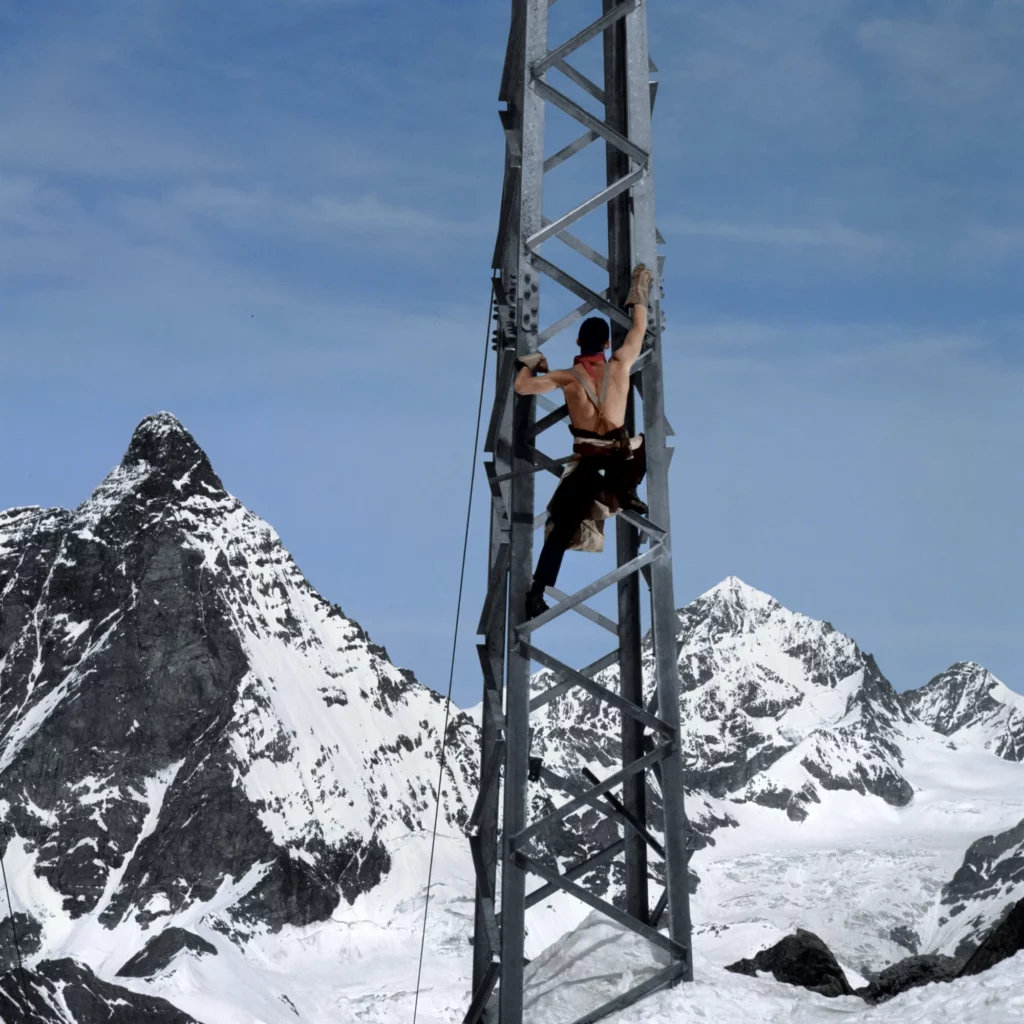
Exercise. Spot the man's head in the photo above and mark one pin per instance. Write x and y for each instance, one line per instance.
(593, 337)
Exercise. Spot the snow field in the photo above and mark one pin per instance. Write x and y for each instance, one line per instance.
(600, 960)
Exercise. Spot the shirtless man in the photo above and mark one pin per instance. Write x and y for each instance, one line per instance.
(608, 465)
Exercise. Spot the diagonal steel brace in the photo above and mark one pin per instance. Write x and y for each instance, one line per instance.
(620, 917)
(560, 813)
(595, 689)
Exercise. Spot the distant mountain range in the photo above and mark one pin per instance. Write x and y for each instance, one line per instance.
(217, 790)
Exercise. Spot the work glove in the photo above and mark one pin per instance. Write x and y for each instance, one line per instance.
(641, 286)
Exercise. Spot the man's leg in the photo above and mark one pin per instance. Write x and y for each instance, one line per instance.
(568, 508)
(624, 476)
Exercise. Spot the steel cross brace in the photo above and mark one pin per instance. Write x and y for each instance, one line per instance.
(537, 76)
(584, 896)
(563, 812)
(614, 809)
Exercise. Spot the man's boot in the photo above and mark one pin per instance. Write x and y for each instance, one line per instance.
(640, 289)
(535, 603)
(632, 501)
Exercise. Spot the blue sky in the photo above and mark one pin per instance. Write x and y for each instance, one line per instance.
(275, 219)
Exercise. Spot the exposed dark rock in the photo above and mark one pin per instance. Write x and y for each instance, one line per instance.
(794, 804)
(906, 937)
(801, 959)
(796, 809)
(89, 999)
(910, 973)
(28, 931)
(772, 797)
(1005, 940)
(889, 785)
(992, 866)
(161, 950)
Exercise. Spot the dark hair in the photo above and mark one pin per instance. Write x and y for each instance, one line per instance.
(593, 335)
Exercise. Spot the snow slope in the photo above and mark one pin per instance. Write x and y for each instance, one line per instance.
(600, 960)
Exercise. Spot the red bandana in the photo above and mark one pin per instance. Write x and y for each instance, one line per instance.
(590, 364)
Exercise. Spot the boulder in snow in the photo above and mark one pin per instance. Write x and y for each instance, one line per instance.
(801, 959)
(910, 973)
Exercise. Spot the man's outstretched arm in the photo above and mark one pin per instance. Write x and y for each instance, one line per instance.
(527, 383)
(629, 351)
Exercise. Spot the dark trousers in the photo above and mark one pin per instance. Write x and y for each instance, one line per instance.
(595, 478)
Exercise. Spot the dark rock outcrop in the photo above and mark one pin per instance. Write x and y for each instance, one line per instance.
(910, 973)
(161, 950)
(36, 997)
(1005, 940)
(801, 959)
(906, 937)
(28, 931)
(991, 865)
(990, 878)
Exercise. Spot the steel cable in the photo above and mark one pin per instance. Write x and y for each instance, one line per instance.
(455, 640)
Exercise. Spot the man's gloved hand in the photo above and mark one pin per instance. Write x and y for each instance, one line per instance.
(535, 361)
(641, 286)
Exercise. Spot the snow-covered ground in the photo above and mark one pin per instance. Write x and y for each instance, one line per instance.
(858, 867)
(600, 960)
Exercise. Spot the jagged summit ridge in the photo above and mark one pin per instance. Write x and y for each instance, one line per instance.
(732, 606)
(163, 463)
(777, 708)
(735, 591)
(162, 442)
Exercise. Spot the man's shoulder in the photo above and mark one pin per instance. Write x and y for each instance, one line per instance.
(567, 375)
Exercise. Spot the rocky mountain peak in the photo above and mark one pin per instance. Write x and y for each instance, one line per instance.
(961, 695)
(735, 592)
(167, 454)
(967, 700)
(732, 607)
(162, 463)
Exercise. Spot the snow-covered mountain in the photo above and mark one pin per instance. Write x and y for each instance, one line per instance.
(968, 702)
(190, 734)
(819, 797)
(217, 790)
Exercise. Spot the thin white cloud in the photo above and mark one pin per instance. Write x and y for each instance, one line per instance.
(830, 234)
(371, 213)
(864, 343)
(979, 355)
(960, 52)
(260, 209)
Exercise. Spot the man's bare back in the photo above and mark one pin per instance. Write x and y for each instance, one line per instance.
(605, 469)
(582, 412)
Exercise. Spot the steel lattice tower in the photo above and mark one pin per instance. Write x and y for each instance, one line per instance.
(532, 83)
